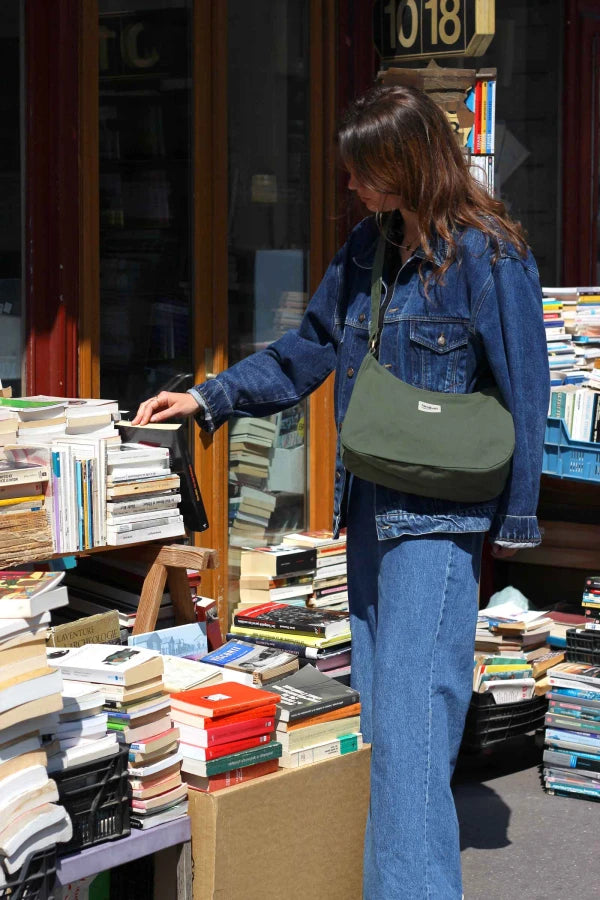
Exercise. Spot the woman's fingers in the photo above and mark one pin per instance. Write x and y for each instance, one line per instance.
(163, 406)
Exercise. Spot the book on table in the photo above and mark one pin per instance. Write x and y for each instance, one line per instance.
(107, 664)
(224, 734)
(221, 700)
(183, 674)
(309, 692)
(256, 664)
(277, 560)
(27, 595)
(310, 735)
(284, 617)
(209, 723)
(271, 750)
(212, 783)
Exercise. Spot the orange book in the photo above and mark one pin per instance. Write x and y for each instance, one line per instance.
(211, 783)
(222, 699)
(332, 716)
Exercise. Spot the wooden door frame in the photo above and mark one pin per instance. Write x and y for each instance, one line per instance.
(52, 232)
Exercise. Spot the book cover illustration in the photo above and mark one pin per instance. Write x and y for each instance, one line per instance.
(181, 640)
(18, 585)
(106, 663)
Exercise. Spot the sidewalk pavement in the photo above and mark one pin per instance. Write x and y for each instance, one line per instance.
(517, 842)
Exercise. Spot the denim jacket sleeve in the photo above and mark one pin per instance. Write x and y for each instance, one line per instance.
(286, 371)
(509, 321)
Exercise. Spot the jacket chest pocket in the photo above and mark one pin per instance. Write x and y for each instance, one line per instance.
(438, 354)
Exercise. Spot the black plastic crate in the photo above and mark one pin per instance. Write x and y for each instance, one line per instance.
(489, 722)
(97, 798)
(35, 880)
(583, 646)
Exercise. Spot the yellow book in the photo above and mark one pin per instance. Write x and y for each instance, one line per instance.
(506, 667)
(291, 637)
(34, 498)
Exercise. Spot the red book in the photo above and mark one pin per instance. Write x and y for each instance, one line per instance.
(204, 722)
(209, 737)
(222, 699)
(203, 753)
(227, 779)
(477, 119)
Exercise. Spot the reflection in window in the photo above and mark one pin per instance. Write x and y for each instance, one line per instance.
(144, 130)
(11, 309)
(268, 109)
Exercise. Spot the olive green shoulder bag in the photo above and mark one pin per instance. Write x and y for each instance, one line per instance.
(430, 443)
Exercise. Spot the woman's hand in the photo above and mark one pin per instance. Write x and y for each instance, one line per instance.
(500, 552)
(165, 405)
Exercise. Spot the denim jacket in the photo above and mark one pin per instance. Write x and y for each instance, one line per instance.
(485, 317)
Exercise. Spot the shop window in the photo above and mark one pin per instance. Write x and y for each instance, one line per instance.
(268, 241)
(11, 261)
(145, 195)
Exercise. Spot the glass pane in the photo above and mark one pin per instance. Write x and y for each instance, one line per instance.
(527, 51)
(268, 109)
(145, 139)
(11, 305)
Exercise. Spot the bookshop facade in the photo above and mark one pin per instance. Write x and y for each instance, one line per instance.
(172, 196)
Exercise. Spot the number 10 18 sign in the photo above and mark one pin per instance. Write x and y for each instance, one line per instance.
(416, 29)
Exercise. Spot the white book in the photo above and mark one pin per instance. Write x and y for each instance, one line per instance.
(124, 508)
(148, 515)
(35, 606)
(107, 663)
(115, 539)
(127, 454)
(155, 521)
(326, 750)
(37, 829)
(121, 474)
(154, 768)
(25, 688)
(23, 744)
(32, 778)
(84, 752)
(82, 727)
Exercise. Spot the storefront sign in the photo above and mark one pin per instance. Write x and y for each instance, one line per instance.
(420, 29)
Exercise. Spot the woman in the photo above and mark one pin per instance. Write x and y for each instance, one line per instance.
(466, 304)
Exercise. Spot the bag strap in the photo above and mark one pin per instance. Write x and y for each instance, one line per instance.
(376, 321)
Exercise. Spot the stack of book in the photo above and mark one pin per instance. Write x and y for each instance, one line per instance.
(251, 665)
(137, 707)
(572, 354)
(78, 736)
(25, 516)
(317, 717)
(278, 573)
(289, 312)
(578, 406)
(591, 593)
(516, 677)
(503, 630)
(572, 753)
(330, 581)
(30, 691)
(142, 495)
(226, 734)
(249, 512)
(250, 443)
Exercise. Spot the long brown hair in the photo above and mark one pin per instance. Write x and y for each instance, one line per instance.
(397, 140)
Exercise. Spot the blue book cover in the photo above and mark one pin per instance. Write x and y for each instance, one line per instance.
(470, 104)
(232, 650)
(491, 106)
(181, 640)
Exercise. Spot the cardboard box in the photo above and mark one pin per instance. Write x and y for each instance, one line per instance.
(297, 833)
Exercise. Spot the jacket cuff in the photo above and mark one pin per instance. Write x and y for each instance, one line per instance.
(203, 417)
(511, 530)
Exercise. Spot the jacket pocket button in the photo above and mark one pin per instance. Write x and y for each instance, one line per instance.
(350, 372)
(362, 317)
(441, 340)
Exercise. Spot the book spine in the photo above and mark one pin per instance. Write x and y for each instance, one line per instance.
(483, 126)
(271, 623)
(238, 776)
(79, 502)
(295, 713)
(227, 763)
(492, 116)
(477, 119)
(115, 539)
(301, 650)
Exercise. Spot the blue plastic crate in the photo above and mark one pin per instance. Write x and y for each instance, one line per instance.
(579, 460)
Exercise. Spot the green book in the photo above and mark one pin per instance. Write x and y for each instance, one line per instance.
(232, 760)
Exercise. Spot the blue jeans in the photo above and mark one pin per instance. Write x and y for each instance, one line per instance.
(413, 611)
